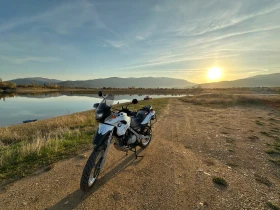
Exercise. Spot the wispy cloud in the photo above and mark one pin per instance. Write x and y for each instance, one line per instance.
(117, 44)
(26, 59)
(179, 60)
(62, 19)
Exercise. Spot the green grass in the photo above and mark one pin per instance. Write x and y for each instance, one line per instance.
(23, 158)
(272, 151)
(25, 148)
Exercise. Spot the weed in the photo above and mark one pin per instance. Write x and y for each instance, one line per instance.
(259, 122)
(220, 181)
(232, 165)
(229, 140)
(263, 180)
(253, 138)
(224, 132)
(277, 162)
(209, 162)
(272, 151)
(272, 205)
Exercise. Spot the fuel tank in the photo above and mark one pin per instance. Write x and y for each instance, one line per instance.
(120, 120)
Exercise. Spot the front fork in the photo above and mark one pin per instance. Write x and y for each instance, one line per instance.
(106, 150)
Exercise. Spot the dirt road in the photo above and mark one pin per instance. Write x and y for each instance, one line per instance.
(190, 145)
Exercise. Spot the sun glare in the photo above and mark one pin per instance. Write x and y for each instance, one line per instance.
(214, 73)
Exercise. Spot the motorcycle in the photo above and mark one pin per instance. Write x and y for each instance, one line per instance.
(129, 129)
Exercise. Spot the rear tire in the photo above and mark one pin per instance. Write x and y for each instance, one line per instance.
(145, 142)
(91, 170)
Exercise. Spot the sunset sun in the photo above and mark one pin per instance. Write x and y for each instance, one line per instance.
(214, 73)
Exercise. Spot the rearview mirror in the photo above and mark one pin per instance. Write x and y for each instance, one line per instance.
(95, 105)
(135, 101)
(99, 93)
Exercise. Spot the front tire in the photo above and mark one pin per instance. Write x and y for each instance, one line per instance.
(91, 170)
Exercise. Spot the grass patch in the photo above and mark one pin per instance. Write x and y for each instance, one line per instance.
(224, 132)
(253, 138)
(272, 205)
(25, 148)
(229, 140)
(276, 162)
(46, 128)
(220, 181)
(272, 151)
(263, 180)
(233, 165)
(226, 99)
(259, 122)
(209, 162)
(23, 158)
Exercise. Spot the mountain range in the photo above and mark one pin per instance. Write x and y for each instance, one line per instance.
(269, 80)
(116, 82)
(35, 80)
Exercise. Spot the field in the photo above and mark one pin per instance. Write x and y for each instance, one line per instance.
(212, 150)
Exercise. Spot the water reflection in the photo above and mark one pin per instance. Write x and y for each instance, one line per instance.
(5, 95)
(16, 108)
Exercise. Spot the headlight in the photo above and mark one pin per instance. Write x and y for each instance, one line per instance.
(99, 115)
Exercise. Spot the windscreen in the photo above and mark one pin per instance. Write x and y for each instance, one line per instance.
(107, 102)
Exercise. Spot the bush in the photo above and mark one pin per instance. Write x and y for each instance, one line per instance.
(7, 85)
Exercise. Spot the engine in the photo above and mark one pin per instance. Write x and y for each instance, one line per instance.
(124, 142)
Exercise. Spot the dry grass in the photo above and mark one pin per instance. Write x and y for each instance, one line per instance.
(225, 100)
(45, 128)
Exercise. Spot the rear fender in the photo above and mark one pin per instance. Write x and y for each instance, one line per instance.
(148, 117)
(102, 134)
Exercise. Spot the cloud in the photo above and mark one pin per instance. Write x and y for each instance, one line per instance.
(61, 19)
(140, 38)
(118, 44)
(26, 59)
(183, 58)
(222, 24)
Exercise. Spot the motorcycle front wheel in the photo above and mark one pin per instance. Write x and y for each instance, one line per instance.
(91, 169)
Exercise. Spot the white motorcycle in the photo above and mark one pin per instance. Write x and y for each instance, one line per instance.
(130, 129)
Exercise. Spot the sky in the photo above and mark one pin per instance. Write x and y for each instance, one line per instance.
(89, 39)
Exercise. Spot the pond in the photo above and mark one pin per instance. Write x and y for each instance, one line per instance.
(16, 109)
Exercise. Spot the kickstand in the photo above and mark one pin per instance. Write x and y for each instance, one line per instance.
(135, 152)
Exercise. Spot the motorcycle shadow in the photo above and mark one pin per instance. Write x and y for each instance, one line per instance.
(75, 198)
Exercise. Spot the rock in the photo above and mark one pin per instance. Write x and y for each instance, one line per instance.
(66, 202)
(24, 203)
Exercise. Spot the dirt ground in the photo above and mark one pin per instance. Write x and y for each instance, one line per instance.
(190, 145)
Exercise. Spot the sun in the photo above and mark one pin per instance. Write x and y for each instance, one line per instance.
(214, 73)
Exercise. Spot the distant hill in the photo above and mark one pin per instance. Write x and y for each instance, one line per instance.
(35, 80)
(116, 82)
(269, 80)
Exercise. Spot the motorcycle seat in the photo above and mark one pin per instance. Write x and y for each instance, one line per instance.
(136, 121)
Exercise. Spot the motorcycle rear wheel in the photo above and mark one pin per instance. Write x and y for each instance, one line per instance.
(91, 170)
(145, 142)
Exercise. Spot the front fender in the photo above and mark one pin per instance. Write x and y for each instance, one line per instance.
(102, 135)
